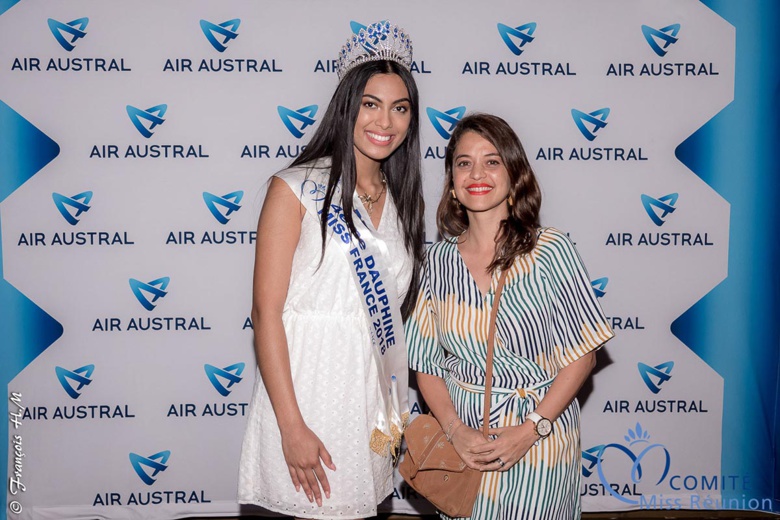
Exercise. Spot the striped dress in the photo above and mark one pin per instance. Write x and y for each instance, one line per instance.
(548, 317)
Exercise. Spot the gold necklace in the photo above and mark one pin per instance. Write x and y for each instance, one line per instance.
(368, 201)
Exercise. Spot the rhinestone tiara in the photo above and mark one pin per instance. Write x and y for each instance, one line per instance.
(378, 41)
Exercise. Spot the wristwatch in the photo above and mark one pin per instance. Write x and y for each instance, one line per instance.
(542, 425)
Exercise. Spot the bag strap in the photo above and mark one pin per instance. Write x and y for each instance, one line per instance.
(491, 345)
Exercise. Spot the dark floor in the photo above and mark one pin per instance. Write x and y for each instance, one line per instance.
(632, 515)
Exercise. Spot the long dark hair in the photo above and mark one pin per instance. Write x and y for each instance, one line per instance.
(517, 234)
(334, 138)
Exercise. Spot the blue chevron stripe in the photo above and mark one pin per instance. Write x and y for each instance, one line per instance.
(27, 329)
(734, 328)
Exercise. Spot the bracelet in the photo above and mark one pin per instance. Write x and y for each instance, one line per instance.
(447, 432)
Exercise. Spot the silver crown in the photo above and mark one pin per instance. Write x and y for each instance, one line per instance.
(378, 41)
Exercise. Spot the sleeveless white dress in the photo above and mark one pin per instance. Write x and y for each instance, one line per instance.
(335, 379)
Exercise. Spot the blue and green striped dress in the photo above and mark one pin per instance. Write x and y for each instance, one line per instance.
(548, 317)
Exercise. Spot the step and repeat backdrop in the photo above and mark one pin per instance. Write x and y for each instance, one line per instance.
(136, 141)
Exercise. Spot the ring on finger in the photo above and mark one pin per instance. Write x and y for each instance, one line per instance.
(501, 462)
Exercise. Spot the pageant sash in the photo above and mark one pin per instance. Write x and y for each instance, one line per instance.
(366, 255)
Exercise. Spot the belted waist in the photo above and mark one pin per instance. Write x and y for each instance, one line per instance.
(522, 392)
(509, 406)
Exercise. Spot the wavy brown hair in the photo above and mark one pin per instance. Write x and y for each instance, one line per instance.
(517, 234)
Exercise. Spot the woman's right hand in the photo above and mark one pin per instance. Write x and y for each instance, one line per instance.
(304, 453)
(464, 439)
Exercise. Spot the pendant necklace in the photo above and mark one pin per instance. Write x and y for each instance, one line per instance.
(368, 201)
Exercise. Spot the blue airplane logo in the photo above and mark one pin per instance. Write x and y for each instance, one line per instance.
(226, 30)
(593, 457)
(655, 376)
(305, 116)
(597, 119)
(79, 203)
(156, 463)
(153, 115)
(230, 374)
(155, 288)
(449, 117)
(74, 29)
(517, 37)
(664, 205)
(80, 377)
(600, 286)
(665, 36)
(229, 202)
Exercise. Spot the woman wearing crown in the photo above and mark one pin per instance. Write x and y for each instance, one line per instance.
(338, 240)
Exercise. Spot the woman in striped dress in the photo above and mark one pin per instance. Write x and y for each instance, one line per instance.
(549, 325)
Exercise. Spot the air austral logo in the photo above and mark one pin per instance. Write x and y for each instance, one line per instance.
(590, 125)
(660, 39)
(655, 376)
(591, 122)
(154, 290)
(229, 201)
(224, 378)
(73, 381)
(146, 121)
(147, 468)
(304, 116)
(221, 36)
(72, 209)
(78, 204)
(153, 117)
(225, 32)
(516, 38)
(148, 295)
(67, 34)
(658, 209)
(449, 118)
(224, 381)
(638, 450)
(222, 208)
(600, 286)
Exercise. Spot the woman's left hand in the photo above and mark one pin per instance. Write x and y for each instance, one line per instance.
(510, 445)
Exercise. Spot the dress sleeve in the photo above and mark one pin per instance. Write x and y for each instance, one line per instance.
(425, 353)
(579, 324)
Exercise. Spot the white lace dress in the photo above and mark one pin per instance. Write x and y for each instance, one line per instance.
(335, 380)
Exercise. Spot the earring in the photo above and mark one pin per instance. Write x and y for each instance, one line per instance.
(511, 201)
(453, 194)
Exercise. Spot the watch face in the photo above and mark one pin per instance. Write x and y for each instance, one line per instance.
(544, 427)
